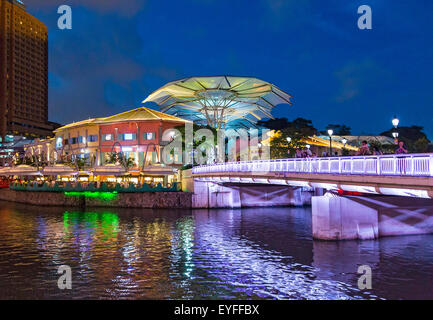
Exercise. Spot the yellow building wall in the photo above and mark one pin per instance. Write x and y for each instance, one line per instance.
(75, 132)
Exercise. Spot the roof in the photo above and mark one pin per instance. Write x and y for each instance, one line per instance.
(324, 142)
(220, 101)
(139, 114)
(77, 124)
(356, 140)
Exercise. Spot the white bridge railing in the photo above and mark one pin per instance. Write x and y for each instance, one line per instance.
(412, 165)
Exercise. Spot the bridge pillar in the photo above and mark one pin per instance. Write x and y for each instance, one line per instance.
(369, 217)
(213, 195)
(218, 195)
(339, 218)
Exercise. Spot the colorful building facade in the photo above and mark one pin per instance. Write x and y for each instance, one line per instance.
(138, 134)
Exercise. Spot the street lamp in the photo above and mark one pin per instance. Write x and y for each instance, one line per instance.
(289, 139)
(330, 133)
(344, 141)
(395, 135)
(395, 122)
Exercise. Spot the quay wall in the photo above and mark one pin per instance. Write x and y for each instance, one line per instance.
(174, 200)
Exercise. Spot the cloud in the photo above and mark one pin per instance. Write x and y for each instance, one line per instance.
(123, 8)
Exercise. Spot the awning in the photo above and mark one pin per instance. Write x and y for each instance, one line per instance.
(4, 172)
(24, 170)
(109, 170)
(58, 170)
(157, 170)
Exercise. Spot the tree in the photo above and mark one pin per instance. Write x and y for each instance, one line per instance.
(413, 137)
(205, 145)
(339, 130)
(274, 124)
(421, 145)
(412, 133)
(122, 159)
(298, 131)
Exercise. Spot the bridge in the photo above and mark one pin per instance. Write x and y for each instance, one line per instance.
(361, 197)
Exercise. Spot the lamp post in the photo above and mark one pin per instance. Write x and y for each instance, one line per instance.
(395, 123)
(289, 140)
(395, 135)
(344, 150)
(330, 133)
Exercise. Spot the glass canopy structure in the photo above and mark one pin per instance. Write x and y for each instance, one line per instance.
(221, 101)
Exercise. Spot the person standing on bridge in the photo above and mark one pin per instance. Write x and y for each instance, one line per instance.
(401, 163)
(401, 148)
(364, 150)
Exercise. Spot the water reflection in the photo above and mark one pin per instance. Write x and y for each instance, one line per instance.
(172, 254)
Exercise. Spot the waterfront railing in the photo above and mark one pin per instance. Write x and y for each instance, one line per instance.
(412, 165)
(78, 187)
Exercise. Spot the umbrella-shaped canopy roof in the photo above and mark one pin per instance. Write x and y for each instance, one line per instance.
(221, 101)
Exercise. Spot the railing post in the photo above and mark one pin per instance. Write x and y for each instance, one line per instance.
(431, 165)
(412, 165)
(378, 165)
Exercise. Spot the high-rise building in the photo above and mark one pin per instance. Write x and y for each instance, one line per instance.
(23, 73)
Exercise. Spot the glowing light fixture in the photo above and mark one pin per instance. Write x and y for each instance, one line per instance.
(395, 122)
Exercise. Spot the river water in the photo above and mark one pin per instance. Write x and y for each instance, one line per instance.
(265, 253)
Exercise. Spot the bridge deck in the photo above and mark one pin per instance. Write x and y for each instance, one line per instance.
(402, 175)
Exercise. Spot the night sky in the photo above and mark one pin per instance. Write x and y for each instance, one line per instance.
(119, 51)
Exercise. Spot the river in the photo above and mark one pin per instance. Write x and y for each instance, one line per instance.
(265, 253)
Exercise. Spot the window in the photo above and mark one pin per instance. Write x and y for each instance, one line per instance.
(73, 140)
(149, 136)
(59, 142)
(107, 137)
(126, 137)
(81, 139)
(92, 138)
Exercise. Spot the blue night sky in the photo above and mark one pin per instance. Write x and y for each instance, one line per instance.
(120, 51)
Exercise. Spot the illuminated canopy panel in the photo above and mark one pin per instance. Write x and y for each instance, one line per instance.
(220, 102)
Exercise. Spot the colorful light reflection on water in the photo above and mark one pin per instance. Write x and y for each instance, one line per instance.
(171, 254)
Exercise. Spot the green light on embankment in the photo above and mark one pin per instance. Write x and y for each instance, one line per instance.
(105, 196)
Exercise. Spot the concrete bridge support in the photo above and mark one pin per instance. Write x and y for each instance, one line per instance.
(352, 217)
(219, 195)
